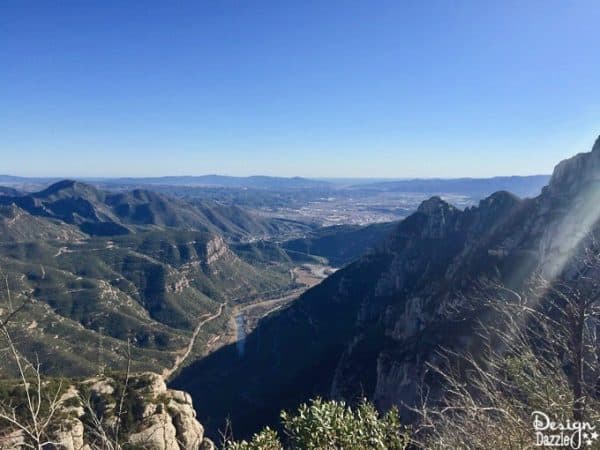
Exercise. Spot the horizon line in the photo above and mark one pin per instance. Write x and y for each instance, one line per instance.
(321, 178)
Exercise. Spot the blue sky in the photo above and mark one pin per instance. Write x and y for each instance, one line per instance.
(311, 88)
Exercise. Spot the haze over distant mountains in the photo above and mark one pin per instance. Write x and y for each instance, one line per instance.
(523, 186)
(256, 182)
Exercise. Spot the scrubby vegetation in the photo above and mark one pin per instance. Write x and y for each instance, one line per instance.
(331, 425)
(541, 353)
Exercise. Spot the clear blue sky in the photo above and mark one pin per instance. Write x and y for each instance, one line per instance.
(312, 88)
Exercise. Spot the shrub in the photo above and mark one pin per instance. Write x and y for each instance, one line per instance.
(331, 425)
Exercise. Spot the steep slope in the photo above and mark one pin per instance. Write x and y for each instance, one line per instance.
(140, 207)
(151, 288)
(243, 225)
(16, 225)
(340, 244)
(11, 192)
(97, 269)
(74, 203)
(372, 327)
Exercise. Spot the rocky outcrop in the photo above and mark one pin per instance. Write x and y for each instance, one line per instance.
(153, 417)
(572, 174)
(216, 249)
(169, 420)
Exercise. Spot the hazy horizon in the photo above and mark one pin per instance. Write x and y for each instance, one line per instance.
(332, 179)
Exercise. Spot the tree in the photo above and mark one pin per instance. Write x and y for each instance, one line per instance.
(28, 412)
(538, 350)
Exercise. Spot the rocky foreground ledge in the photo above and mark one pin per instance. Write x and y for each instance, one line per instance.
(152, 416)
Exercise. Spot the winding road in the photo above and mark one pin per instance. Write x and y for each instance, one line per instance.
(317, 274)
(180, 359)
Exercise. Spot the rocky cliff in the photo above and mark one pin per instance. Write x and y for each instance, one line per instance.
(441, 259)
(373, 327)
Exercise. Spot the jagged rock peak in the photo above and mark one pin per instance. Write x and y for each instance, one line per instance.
(596, 147)
(502, 198)
(433, 205)
(573, 173)
(434, 218)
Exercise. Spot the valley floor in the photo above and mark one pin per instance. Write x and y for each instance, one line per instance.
(245, 318)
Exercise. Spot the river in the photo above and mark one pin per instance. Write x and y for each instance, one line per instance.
(241, 333)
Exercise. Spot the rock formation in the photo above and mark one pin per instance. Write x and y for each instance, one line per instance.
(153, 417)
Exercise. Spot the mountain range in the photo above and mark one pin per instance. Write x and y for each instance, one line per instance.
(97, 270)
(253, 182)
(525, 186)
(104, 276)
(100, 213)
(374, 327)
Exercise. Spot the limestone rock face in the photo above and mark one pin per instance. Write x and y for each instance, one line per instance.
(572, 174)
(171, 423)
(163, 419)
(189, 432)
(215, 250)
(158, 433)
(71, 435)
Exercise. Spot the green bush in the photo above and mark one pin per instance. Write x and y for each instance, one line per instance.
(331, 425)
(267, 439)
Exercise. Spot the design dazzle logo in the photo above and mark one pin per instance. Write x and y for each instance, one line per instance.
(562, 434)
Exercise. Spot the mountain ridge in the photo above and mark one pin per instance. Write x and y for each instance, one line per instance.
(99, 213)
(91, 266)
(374, 326)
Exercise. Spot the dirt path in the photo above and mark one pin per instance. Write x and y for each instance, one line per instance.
(179, 360)
(60, 251)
